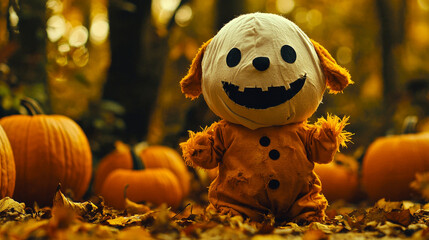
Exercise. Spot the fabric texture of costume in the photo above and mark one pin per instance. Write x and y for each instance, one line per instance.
(264, 77)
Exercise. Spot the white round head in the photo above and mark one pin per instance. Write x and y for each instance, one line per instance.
(261, 70)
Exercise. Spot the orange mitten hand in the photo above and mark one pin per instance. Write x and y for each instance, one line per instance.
(199, 149)
(326, 136)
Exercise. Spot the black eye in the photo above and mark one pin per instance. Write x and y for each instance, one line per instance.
(233, 57)
(288, 54)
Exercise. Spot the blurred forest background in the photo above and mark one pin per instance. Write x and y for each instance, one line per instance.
(115, 66)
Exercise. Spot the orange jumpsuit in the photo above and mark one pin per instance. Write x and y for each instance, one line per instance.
(268, 170)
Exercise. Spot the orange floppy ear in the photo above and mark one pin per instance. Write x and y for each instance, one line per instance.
(191, 83)
(337, 77)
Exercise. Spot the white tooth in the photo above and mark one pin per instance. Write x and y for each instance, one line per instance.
(241, 88)
(264, 88)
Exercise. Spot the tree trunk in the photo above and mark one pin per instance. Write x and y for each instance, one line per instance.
(134, 74)
(29, 61)
(227, 10)
(392, 22)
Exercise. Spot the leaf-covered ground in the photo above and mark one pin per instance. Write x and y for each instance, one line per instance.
(93, 220)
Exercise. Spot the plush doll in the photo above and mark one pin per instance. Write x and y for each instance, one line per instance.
(264, 77)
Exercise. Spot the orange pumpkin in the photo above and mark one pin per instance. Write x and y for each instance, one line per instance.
(165, 157)
(48, 150)
(339, 178)
(157, 186)
(7, 166)
(152, 157)
(120, 158)
(390, 165)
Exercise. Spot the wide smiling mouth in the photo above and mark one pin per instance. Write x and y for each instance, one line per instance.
(256, 98)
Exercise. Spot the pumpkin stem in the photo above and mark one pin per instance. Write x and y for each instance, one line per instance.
(137, 161)
(58, 187)
(409, 124)
(32, 107)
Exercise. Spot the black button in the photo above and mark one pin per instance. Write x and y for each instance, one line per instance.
(264, 141)
(274, 154)
(274, 184)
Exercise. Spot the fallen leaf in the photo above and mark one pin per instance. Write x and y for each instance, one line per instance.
(402, 217)
(289, 228)
(375, 214)
(387, 205)
(391, 229)
(133, 207)
(8, 204)
(81, 209)
(417, 226)
(140, 220)
(163, 222)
